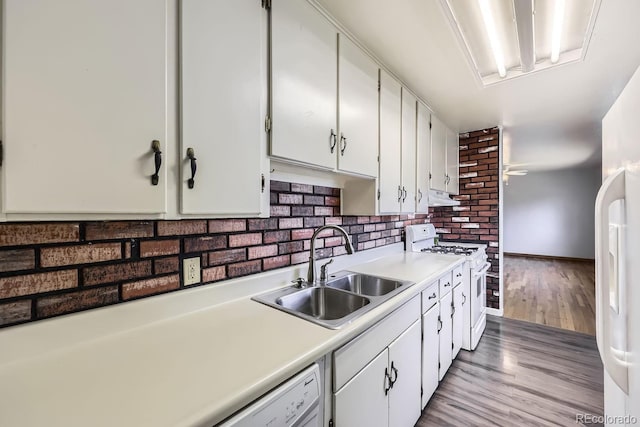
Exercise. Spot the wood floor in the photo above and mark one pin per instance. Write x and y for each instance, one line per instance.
(550, 292)
(521, 374)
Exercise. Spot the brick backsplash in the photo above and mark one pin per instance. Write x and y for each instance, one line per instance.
(50, 269)
(476, 219)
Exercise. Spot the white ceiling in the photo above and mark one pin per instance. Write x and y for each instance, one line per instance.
(551, 118)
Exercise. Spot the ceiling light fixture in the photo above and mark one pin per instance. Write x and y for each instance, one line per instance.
(526, 33)
(558, 19)
(490, 26)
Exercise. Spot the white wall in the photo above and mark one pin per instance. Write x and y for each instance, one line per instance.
(551, 213)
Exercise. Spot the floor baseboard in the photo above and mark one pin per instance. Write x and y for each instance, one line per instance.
(548, 257)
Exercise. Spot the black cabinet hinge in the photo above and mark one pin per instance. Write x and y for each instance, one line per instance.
(430, 125)
(378, 85)
(378, 194)
(262, 184)
(1, 153)
(331, 423)
(452, 346)
(266, 4)
(438, 365)
(421, 392)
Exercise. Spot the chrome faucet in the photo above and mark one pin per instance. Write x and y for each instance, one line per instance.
(311, 273)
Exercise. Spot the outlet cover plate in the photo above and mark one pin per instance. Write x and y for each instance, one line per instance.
(191, 271)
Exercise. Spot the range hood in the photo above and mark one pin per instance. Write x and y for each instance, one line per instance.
(440, 198)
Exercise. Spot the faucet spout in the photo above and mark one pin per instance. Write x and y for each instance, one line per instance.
(311, 273)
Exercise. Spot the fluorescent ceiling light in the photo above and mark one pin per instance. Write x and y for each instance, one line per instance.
(558, 19)
(499, 47)
(490, 26)
(526, 33)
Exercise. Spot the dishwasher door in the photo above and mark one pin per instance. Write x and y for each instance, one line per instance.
(295, 403)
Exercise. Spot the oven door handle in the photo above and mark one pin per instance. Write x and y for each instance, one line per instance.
(486, 268)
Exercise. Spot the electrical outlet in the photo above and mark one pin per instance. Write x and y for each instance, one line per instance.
(191, 271)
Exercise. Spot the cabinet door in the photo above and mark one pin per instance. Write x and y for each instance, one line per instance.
(303, 84)
(223, 106)
(445, 335)
(390, 130)
(430, 353)
(405, 365)
(453, 155)
(358, 110)
(408, 152)
(84, 96)
(457, 321)
(423, 158)
(363, 401)
(438, 154)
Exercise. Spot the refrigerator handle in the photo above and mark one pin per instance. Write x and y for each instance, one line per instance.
(613, 188)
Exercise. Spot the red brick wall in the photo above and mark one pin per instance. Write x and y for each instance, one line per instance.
(49, 269)
(476, 219)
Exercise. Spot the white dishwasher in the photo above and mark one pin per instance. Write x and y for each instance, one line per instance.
(294, 403)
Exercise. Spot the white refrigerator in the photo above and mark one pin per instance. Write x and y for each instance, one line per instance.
(618, 258)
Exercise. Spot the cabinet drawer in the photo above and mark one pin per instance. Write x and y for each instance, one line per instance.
(349, 359)
(458, 277)
(430, 296)
(446, 283)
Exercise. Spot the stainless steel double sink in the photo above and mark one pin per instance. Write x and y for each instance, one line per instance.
(343, 298)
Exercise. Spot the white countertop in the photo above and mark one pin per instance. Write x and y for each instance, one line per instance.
(190, 358)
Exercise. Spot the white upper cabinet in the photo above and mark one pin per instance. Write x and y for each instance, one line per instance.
(453, 155)
(223, 106)
(358, 110)
(303, 84)
(390, 178)
(423, 158)
(85, 94)
(444, 157)
(408, 202)
(438, 154)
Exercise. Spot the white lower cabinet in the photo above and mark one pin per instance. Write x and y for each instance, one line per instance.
(445, 336)
(430, 352)
(459, 300)
(404, 372)
(377, 375)
(363, 400)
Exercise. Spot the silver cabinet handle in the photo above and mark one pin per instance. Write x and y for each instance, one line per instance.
(404, 194)
(399, 193)
(432, 296)
(420, 194)
(343, 144)
(464, 299)
(447, 284)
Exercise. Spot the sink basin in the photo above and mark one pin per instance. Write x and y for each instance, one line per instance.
(364, 284)
(323, 303)
(345, 297)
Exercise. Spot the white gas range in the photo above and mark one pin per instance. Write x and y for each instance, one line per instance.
(422, 238)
